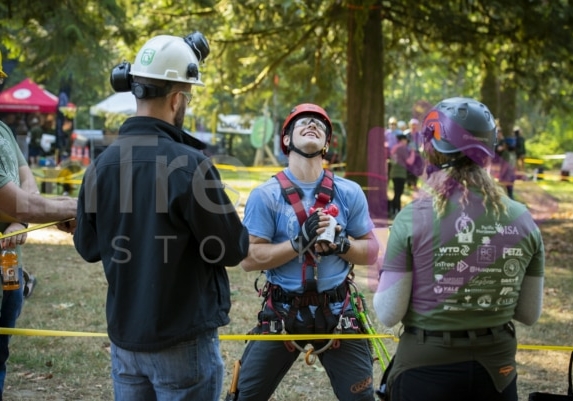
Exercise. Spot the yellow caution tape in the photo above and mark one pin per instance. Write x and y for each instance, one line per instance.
(255, 337)
(299, 337)
(33, 228)
(48, 333)
(223, 337)
(545, 347)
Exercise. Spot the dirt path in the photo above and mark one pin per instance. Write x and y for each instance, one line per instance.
(541, 204)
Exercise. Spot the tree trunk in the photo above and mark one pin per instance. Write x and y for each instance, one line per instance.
(366, 158)
(508, 105)
(489, 89)
(501, 99)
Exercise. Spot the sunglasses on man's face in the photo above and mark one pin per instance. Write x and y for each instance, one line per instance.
(303, 122)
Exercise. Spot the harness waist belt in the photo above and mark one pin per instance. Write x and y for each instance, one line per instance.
(337, 294)
(459, 333)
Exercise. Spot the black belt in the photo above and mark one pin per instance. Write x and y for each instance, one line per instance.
(459, 333)
(337, 294)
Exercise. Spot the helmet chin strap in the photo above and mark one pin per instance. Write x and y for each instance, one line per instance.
(307, 155)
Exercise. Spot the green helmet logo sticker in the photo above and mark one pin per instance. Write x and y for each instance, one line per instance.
(147, 56)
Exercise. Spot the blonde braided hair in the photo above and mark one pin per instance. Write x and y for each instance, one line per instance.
(464, 174)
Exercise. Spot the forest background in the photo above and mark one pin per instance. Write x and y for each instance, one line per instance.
(362, 60)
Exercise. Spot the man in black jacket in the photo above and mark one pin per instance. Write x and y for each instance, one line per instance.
(153, 209)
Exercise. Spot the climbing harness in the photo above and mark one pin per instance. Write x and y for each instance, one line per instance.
(323, 195)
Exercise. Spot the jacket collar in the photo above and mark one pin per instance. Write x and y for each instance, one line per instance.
(153, 126)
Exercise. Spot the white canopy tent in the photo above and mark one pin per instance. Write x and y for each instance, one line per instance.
(119, 103)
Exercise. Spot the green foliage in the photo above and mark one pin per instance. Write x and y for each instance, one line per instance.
(272, 55)
(276, 54)
(555, 138)
(54, 39)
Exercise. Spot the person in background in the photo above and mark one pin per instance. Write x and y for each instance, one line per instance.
(391, 134)
(307, 289)
(20, 204)
(462, 262)
(152, 208)
(34, 148)
(415, 143)
(506, 161)
(391, 138)
(402, 159)
(520, 149)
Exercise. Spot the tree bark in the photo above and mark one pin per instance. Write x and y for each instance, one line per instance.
(366, 158)
(508, 105)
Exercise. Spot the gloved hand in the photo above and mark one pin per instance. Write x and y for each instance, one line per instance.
(342, 245)
(307, 235)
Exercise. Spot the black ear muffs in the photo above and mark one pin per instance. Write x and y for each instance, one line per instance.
(198, 44)
(120, 79)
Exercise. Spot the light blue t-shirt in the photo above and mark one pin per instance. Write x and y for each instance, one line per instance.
(269, 216)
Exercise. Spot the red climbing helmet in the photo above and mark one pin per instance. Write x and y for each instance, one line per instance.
(305, 109)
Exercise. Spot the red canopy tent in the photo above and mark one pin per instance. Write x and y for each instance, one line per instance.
(28, 97)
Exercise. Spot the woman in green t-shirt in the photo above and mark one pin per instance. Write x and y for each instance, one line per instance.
(462, 261)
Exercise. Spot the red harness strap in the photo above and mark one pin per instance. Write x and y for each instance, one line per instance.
(292, 194)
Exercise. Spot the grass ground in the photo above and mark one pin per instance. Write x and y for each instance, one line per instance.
(71, 296)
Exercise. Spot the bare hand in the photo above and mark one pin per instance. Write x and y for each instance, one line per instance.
(67, 226)
(19, 239)
(327, 248)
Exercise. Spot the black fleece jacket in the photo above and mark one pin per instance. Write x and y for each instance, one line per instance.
(153, 209)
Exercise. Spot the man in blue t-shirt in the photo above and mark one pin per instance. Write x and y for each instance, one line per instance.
(307, 276)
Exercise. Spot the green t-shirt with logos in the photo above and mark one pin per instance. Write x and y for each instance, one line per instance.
(467, 266)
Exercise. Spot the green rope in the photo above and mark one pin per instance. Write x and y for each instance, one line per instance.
(368, 327)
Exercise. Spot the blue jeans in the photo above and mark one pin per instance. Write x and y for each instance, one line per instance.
(191, 370)
(11, 307)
